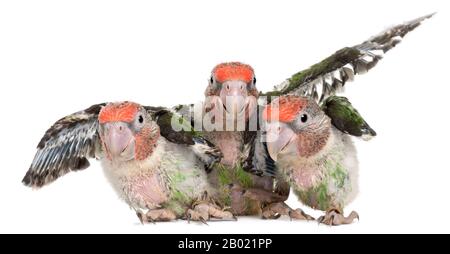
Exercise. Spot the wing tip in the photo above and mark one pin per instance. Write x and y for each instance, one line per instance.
(413, 24)
(30, 180)
(26, 180)
(418, 21)
(428, 16)
(368, 133)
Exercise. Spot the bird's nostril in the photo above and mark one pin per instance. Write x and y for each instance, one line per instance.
(242, 87)
(228, 87)
(120, 128)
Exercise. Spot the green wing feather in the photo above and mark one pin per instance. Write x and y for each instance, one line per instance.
(330, 75)
(346, 118)
(176, 129)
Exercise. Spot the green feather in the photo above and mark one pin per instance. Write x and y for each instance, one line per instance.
(237, 174)
(339, 175)
(178, 177)
(317, 197)
(243, 177)
(333, 62)
(224, 175)
(169, 122)
(346, 118)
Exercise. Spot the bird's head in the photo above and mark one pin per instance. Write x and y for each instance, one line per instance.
(127, 131)
(234, 83)
(295, 126)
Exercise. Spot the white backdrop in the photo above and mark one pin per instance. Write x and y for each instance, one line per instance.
(57, 57)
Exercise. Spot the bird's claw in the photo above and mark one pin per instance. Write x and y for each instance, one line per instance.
(276, 210)
(140, 215)
(335, 218)
(193, 215)
(203, 221)
(273, 216)
(204, 211)
(156, 215)
(299, 214)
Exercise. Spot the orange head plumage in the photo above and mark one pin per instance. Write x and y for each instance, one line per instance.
(284, 109)
(127, 132)
(233, 71)
(118, 112)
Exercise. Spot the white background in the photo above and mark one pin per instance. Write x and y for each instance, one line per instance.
(57, 57)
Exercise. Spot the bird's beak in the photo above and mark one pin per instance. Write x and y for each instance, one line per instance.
(119, 141)
(234, 96)
(279, 136)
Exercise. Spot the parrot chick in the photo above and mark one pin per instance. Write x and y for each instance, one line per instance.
(313, 154)
(148, 171)
(231, 104)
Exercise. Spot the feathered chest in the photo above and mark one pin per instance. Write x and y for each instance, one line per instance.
(230, 144)
(302, 174)
(148, 190)
(305, 172)
(140, 183)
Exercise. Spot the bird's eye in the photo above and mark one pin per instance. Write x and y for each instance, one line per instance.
(254, 80)
(304, 118)
(141, 119)
(211, 80)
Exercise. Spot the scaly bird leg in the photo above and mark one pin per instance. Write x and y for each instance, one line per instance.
(335, 217)
(275, 210)
(156, 215)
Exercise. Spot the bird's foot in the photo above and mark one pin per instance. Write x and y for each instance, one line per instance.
(275, 210)
(205, 211)
(156, 215)
(334, 217)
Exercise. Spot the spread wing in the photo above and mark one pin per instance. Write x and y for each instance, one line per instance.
(176, 129)
(331, 74)
(66, 146)
(346, 118)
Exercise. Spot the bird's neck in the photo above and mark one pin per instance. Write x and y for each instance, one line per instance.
(146, 142)
(305, 169)
(230, 143)
(312, 143)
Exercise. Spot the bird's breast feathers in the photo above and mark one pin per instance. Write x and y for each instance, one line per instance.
(151, 182)
(306, 172)
(139, 183)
